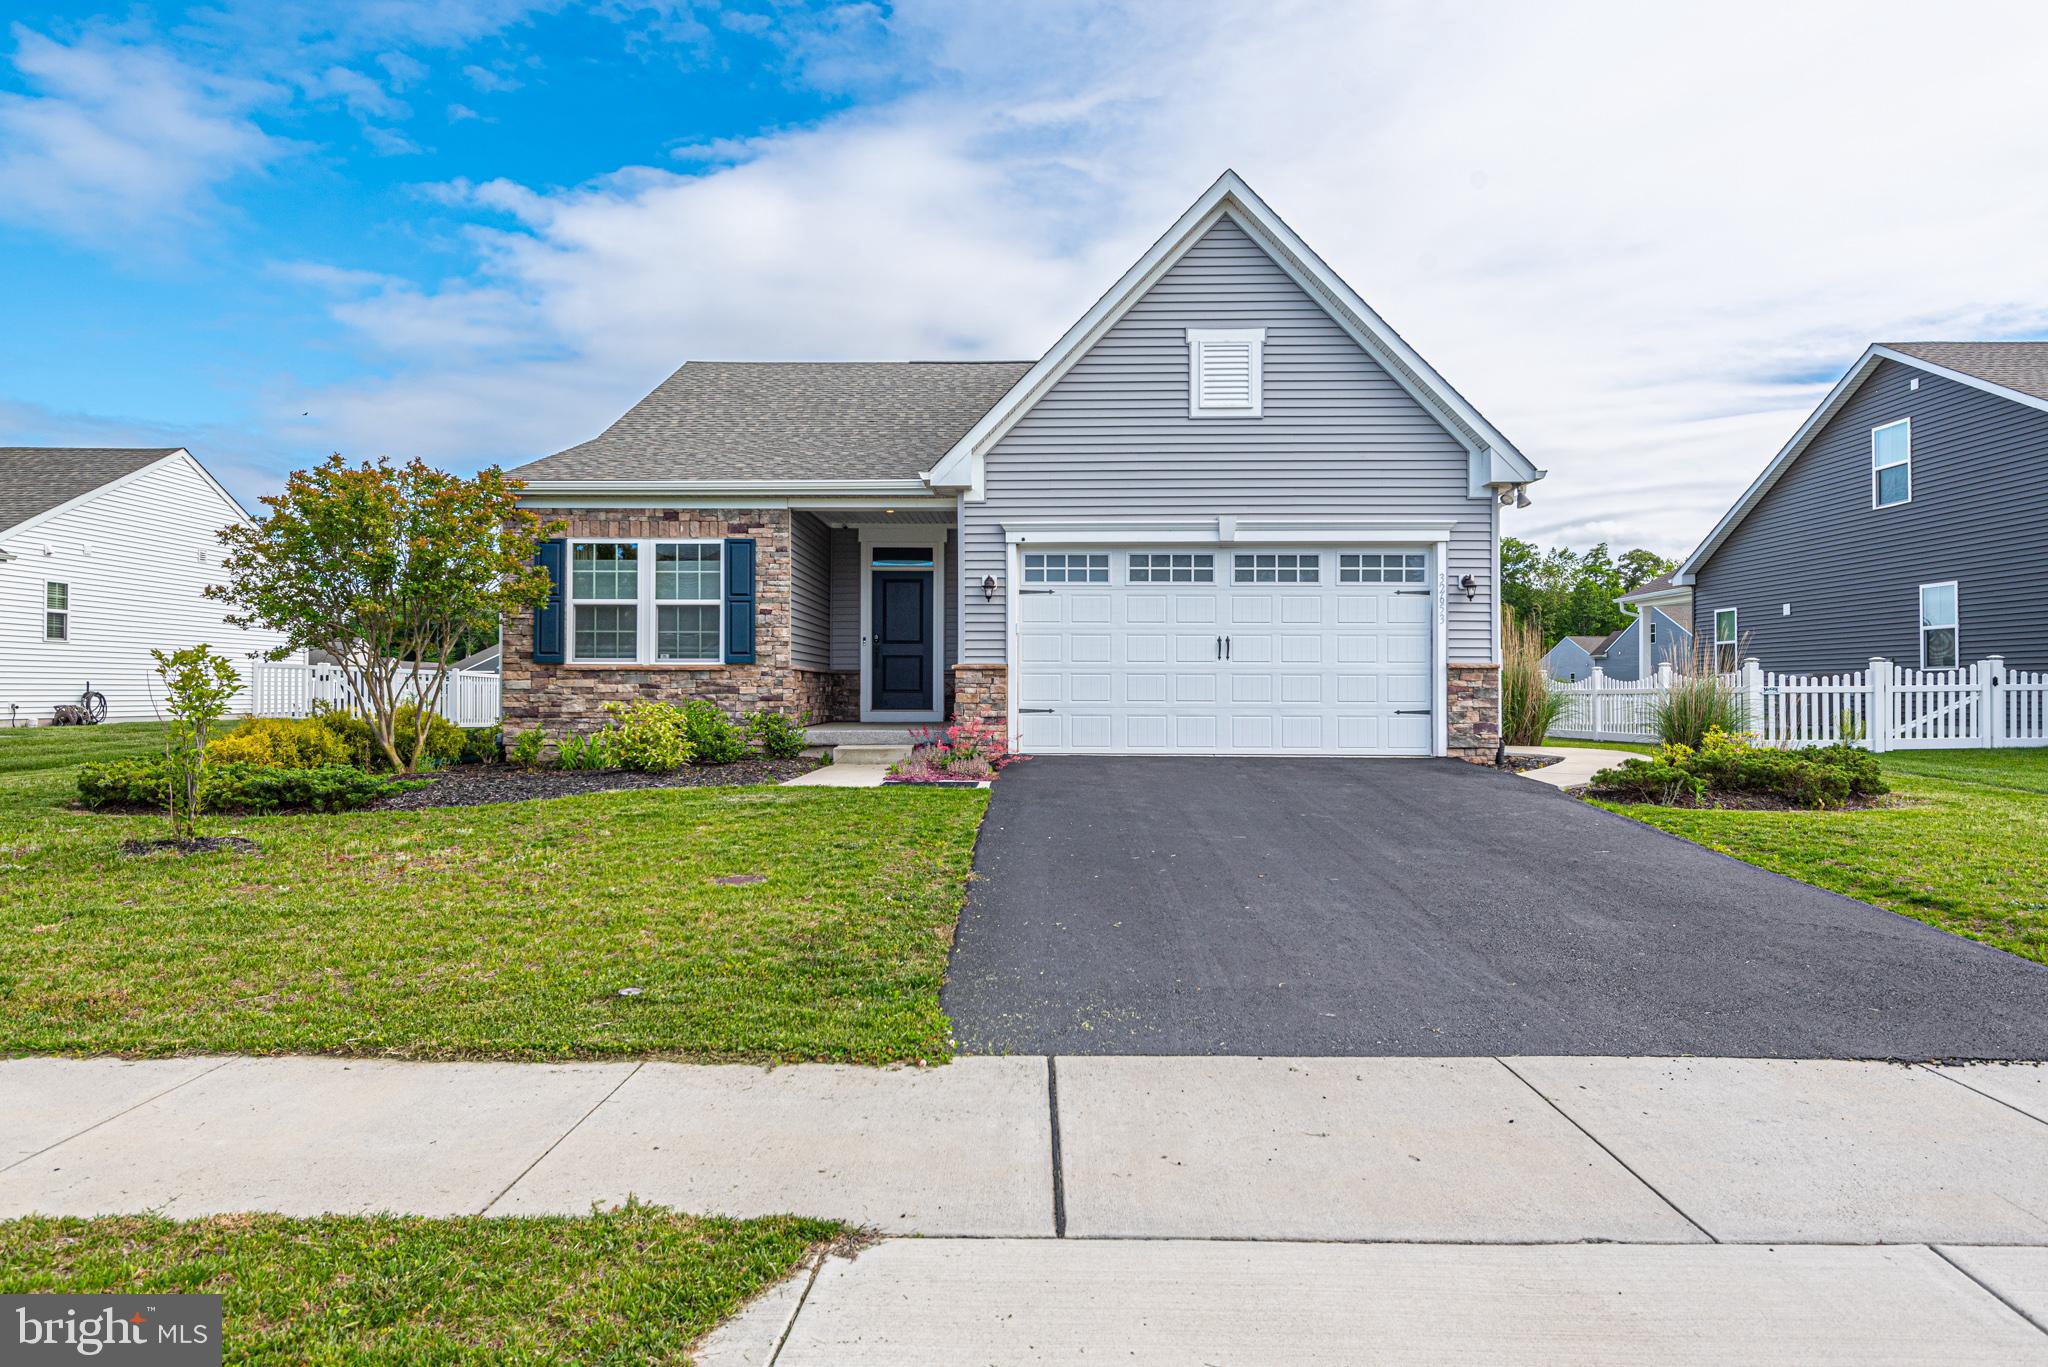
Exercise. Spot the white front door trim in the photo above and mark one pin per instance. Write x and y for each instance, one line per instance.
(927, 535)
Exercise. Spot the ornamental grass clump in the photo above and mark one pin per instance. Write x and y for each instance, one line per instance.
(1530, 703)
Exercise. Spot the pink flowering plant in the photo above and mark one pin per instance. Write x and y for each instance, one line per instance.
(967, 752)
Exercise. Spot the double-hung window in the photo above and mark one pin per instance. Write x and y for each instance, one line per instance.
(56, 612)
(1724, 641)
(646, 602)
(1891, 464)
(686, 601)
(1940, 626)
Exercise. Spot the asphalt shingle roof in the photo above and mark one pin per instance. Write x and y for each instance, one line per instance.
(35, 479)
(2021, 366)
(790, 420)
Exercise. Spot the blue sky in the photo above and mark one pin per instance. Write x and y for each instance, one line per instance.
(1643, 239)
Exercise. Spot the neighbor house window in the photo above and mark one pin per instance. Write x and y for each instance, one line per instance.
(686, 601)
(623, 613)
(1283, 567)
(1159, 567)
(1226, 372)
(1373, 567)
(1724, 641)
(56, 612)
(1891, 463)
(1072, 567)
(1940, 626)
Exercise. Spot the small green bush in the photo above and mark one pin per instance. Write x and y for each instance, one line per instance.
(585, 752)
(280, 743)
(525, 752)
(714, 737)
(651, 737)
(777, 735)
(237, 787)
(481, 744)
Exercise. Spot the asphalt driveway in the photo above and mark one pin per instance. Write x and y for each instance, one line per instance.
(1333, 907)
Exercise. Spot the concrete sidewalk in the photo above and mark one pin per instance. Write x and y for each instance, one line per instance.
(1042, 1301)
(1576, 767)
(1466, 1151)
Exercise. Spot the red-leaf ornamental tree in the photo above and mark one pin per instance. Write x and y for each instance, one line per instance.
(386, 568)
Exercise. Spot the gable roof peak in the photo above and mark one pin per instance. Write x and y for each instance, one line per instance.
(960, 469)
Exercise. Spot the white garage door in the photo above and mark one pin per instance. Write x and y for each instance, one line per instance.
(1226, 651)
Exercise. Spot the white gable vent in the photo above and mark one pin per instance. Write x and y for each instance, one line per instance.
(1226, 372)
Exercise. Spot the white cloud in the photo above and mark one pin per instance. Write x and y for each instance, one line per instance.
(1637, 237)
(122, 137)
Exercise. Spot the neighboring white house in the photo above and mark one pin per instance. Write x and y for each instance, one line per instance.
(104, 554)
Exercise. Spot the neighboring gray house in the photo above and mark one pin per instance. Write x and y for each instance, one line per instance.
(1907, 518)
(1229, 512)
(1574, 658)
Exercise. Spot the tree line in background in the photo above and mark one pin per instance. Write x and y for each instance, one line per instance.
(1563, 592)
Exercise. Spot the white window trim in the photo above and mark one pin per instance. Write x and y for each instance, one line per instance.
(1906, 423)
(1734, 641)
(1201, 337)
(1920, 621)
(64, 612)
(647, 615)
(932, 536)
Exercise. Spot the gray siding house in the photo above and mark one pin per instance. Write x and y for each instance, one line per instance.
(1230, 511)
(1656, 636)
(1574, 658)
(1907, 518)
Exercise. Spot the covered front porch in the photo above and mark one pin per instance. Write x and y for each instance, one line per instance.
(874, 607)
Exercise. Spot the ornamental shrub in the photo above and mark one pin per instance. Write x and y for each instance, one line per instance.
(650, 737)
(445, 740)
(777, 735)
(525, 752)
(1729, 765)
(482, 744)
(714, 737)
(281, 743)
(237, 787)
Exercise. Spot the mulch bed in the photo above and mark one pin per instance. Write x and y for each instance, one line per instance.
(473, 785)
(1522, 764)
(204, 844)
(1736, 802)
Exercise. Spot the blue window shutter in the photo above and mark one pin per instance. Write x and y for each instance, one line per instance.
(739, 600)
(550, 619)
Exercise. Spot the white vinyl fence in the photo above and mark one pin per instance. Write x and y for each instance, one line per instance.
(282, 688)
(1883, 707)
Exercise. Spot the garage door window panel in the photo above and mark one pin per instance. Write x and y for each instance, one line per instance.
(1277, 567)
(1172, 568)
(1070, 567)
(1396, 567)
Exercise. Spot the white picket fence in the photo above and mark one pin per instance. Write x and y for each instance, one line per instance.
(283, 688)
(1883, 707)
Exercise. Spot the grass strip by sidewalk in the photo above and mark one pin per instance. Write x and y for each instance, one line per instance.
(505, 931)
(633, 1285)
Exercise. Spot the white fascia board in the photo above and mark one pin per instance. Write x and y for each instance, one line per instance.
(1845, 388)
(1214, 531)
(1973, 381)
(19, 528)
(1231, 195)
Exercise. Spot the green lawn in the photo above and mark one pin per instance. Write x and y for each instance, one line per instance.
(26, 748)
(485, 932)
(636, 1285)
(1630, 746)
(1968, 856)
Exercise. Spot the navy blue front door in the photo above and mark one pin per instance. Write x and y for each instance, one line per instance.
(900, 670)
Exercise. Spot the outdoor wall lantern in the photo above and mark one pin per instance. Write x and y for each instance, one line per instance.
(988, 588)
(1471, 587)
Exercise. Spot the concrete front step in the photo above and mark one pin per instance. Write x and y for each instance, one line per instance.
(860, 733)
(869, 754)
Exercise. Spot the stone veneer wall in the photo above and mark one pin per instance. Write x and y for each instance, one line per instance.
(1473, 732)
(569, 698)
(981, 692)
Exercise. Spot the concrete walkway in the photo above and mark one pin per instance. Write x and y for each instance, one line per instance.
(1469, 1150)
(1568, 1210)
(842, 776)
(1578, 766)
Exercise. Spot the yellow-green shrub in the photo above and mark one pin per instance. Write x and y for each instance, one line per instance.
(280, 743)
